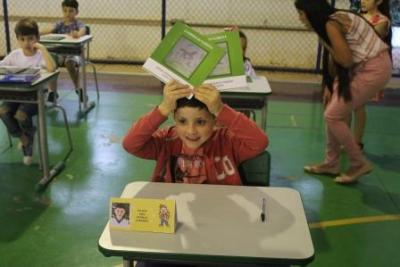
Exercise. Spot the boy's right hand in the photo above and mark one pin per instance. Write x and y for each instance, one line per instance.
(172, 92)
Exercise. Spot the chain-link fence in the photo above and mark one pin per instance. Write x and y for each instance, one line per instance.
(129, 30)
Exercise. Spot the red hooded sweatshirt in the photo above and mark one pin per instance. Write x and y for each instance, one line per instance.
(240, 139)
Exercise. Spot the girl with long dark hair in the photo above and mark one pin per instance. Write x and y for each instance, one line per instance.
(363, 67)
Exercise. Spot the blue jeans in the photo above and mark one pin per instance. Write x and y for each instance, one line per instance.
(18, 118)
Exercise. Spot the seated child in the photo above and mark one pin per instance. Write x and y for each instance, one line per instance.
(248, 68)
(195, 150)
(75, 28)
(18, 116)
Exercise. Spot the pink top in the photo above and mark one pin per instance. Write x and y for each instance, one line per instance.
(363, 41)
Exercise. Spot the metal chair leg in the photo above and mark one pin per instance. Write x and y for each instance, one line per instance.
(9, 140)
(10, 143)
(253, 113)
(95, 78)
(66, 124)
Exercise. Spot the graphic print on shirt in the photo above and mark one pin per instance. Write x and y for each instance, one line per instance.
(224, 167)
(190, 169)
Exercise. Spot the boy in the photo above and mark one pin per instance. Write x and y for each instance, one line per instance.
(18, 116)
(195, 150)
(75, 28)
(248, 67)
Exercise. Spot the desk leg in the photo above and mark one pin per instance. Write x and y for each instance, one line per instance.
(127, 263)
(42, 133)
(86, 106)
(44, 152)
(264, 114)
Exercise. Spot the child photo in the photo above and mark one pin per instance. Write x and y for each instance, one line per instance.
(120, 213)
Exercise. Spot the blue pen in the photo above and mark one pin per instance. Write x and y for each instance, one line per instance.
(263, 210)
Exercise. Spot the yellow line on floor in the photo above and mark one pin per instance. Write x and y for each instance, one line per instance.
(370, 219)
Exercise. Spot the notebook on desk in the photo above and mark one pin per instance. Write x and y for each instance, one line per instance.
(18, 70)
(11, 74)
(52, 37)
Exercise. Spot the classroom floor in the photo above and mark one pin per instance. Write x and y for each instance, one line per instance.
(354, 225)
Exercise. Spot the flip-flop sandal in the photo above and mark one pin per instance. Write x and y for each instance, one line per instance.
(315, 169)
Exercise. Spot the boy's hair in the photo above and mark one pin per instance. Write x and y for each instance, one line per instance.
(26, 27)
(70, 3)
(192, 103)
(242, 35)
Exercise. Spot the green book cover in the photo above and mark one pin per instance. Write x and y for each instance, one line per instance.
(229, 72)
(184, 55)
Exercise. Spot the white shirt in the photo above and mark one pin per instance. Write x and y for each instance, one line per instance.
(17, 59)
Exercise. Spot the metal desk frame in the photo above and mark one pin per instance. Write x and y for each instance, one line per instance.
(35, 93)
(71, 46)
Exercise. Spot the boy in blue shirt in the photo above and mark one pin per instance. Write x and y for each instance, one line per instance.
(18, 116)
(72, 26)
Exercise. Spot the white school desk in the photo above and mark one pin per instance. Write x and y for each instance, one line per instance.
(34, 93)
(254, 96)
(72, 46)
(218, 224)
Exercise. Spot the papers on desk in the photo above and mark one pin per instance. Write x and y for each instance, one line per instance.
(257, 84)
(12, 74)
(53, 37)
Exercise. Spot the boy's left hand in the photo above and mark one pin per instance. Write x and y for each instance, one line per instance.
(210, 96)
(74, 34)
(38, 46)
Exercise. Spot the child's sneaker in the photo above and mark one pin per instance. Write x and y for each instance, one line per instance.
(27, 150)
(79, 92)
(52, 97)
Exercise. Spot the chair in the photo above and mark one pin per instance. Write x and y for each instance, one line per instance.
(245, 106)
(256, 171)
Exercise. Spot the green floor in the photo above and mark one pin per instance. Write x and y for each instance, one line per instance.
(61, 226)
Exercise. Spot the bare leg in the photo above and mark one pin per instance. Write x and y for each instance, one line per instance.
(53, 86)
(73, 71)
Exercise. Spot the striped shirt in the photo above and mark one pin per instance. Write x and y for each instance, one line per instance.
(363, 41)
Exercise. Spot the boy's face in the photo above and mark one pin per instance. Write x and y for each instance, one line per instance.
(26, 42)
(69, 13)
(194, 126)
